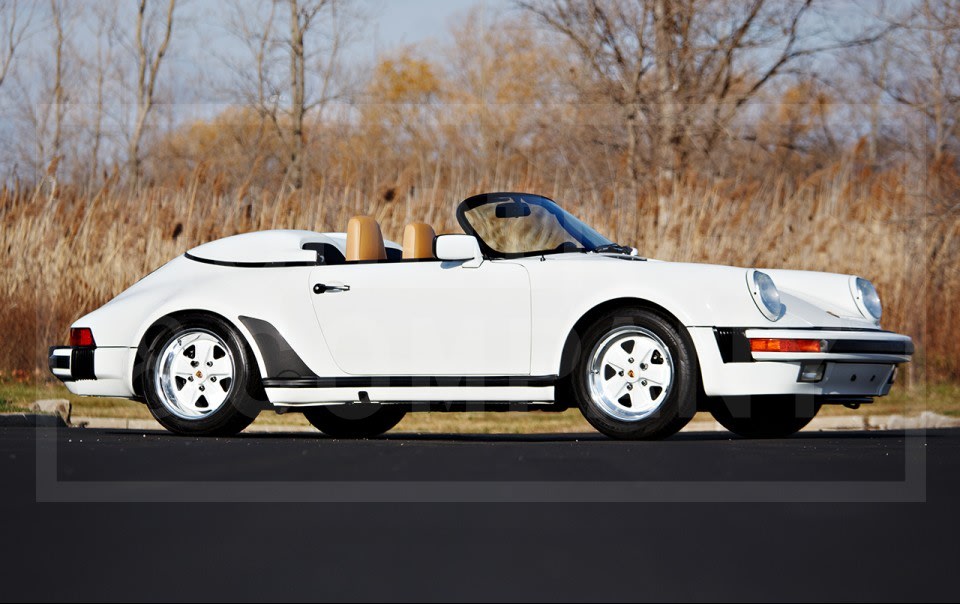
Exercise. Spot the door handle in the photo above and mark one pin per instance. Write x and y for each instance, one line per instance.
(320, 288)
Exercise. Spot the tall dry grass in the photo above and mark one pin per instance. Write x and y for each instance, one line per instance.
(67, 253)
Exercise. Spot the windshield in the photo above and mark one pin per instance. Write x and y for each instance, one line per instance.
(519, 224)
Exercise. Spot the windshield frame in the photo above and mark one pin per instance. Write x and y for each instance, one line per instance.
(552, 207)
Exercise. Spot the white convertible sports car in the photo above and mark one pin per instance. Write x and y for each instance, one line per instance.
(530, 309)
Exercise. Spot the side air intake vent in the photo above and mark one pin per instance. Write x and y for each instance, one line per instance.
(734, 345)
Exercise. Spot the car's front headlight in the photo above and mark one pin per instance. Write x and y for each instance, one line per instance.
(765, 294)
(866, 297)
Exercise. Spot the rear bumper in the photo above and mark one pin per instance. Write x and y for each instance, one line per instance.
(855, 363)
(70, 363)
(93, 371)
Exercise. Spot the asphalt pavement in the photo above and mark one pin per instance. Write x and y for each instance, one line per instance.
(124, 515)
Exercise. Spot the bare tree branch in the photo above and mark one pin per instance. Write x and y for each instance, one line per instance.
(148, 67)
(14, 25)
(682, 70)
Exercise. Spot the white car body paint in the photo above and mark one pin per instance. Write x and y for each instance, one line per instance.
(505, 318)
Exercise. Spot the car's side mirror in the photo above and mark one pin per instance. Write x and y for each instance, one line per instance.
(458, 248)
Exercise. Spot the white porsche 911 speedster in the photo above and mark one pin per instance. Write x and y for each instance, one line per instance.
(530, 309)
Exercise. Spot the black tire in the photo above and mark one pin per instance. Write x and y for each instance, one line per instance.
(244, 397)
(356, 420)
(764, 416)
(679, 403)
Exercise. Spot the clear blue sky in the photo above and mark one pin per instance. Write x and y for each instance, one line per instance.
(399, 22)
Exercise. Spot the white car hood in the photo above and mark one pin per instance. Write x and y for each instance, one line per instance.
(718, 295)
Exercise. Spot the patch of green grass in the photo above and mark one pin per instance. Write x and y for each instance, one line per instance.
(501, 422)
(17, 396)
(6, 406)
(21, 394)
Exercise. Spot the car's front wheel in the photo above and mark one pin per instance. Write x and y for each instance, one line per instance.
(764, 416)
(357, 420)
(199, 377)
(636, 375)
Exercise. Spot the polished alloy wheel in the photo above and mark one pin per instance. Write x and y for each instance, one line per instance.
(195, 374)
(631, 373)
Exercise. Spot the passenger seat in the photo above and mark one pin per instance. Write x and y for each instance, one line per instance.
(364, 240)
(418, 241)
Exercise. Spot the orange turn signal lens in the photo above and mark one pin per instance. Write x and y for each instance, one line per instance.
(784, 345)
(81, 336)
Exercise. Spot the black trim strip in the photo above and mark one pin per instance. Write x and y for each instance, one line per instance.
(871, 346)
(485, 406)
(190, 256)
(869, 329)
(774, 327)
(391, 261)
(296, 263)
(421, 381)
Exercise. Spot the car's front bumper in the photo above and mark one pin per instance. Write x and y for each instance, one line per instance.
(93, 371)
(856, 363)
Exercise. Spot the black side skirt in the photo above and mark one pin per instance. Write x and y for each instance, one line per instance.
(424, 381)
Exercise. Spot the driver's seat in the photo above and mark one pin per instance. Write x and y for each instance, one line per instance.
(364, 240)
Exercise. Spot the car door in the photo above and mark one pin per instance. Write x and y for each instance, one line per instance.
(425, 317)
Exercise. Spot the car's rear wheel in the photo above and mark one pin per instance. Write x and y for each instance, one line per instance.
(636, 375)
(357, 420)
(764, 416)
(199, 377)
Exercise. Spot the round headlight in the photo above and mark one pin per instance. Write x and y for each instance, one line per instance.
(867, 299)
(765, 294)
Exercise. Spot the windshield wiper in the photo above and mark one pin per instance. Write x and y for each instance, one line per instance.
(616, 248)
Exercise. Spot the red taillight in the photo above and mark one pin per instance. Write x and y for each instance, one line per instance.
(81, 336)
(784, 345)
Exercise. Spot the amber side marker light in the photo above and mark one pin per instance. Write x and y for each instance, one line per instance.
(82, 336)
(785, 345)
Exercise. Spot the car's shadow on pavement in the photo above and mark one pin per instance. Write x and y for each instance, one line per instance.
(544, 438)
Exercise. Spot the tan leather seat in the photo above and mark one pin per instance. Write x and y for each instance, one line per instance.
(364, 240)
(418, 241)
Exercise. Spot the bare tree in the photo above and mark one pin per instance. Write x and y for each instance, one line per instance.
(310, 45)
(681, 71)
(149, 61)
(491, 55)
(256, 33)
(14, 25)
(303, 21)
(42, 102)
(872, 65)
(59, 104)
(102, 66)
(919, 68)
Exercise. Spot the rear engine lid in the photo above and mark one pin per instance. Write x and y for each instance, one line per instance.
(262, 247)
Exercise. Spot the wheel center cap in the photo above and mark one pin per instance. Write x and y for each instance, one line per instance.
(200, 374)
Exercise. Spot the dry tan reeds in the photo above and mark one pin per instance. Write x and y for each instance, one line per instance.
(68, 253)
